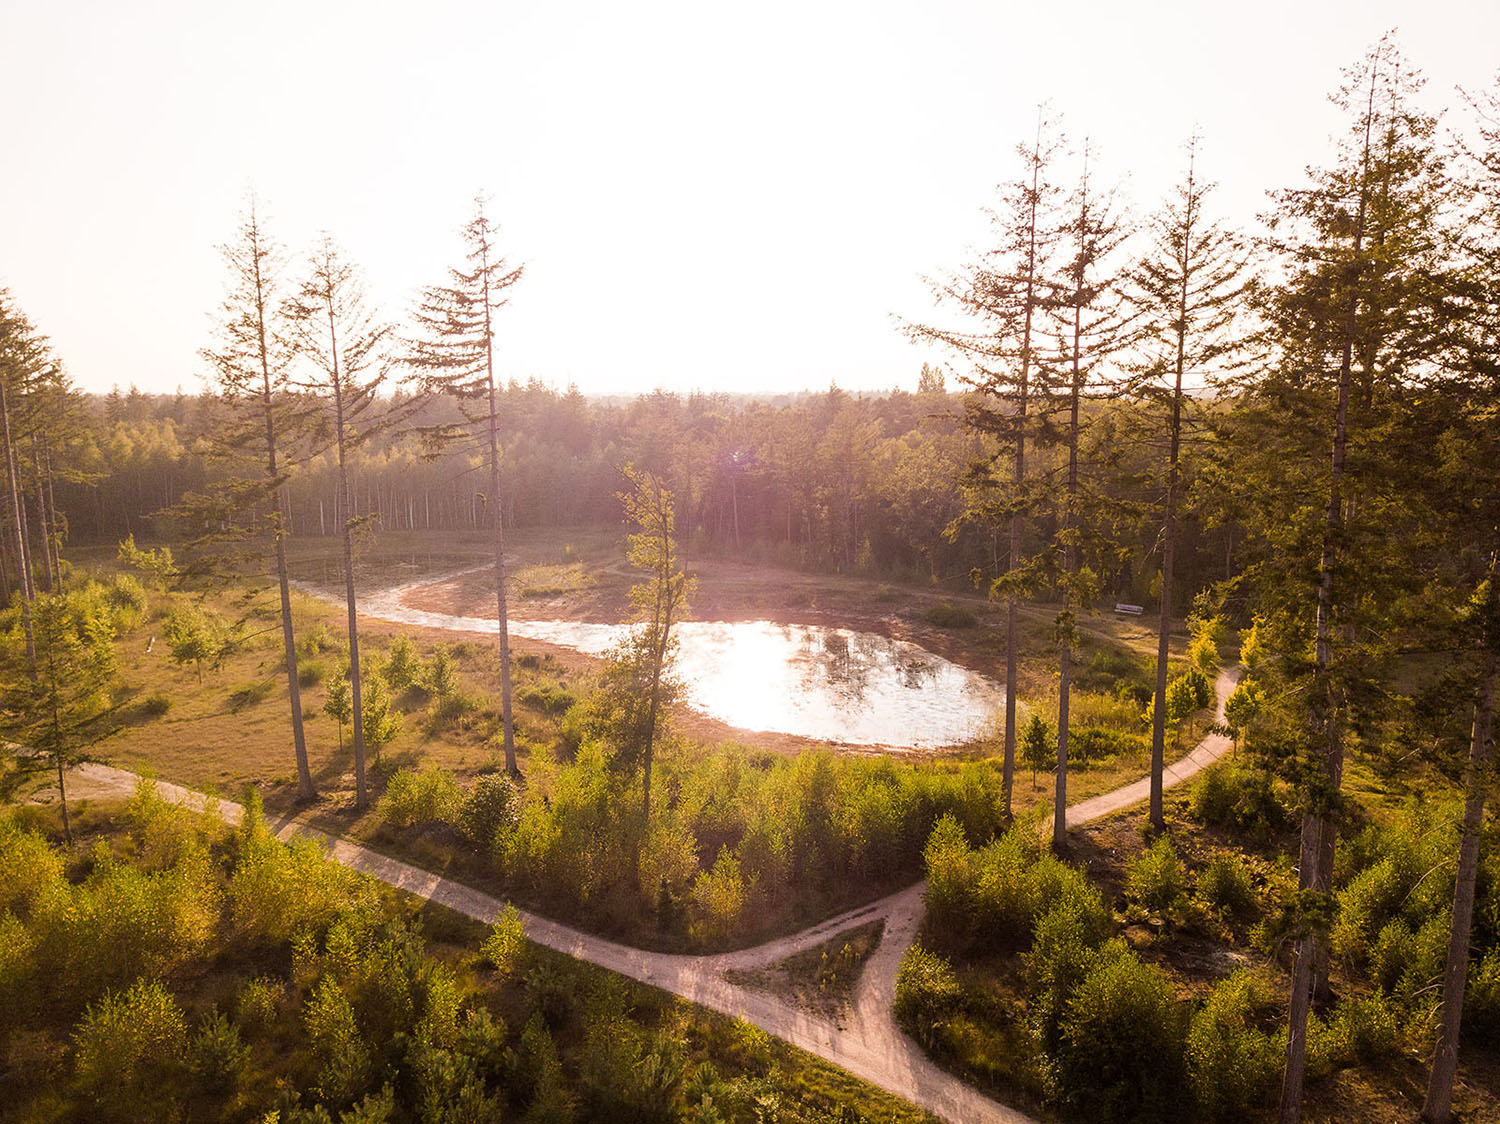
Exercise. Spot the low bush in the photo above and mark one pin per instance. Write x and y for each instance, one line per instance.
(1089, 744)
(487, 808)
(1481, 1021)
(403, 668)
(1121, 1044)
(1233, 1066)
(947, 615)
(249, 694)
(549, 698)
(1226, 887)
(1241, 799)
(155, 706)
(927, 992)
(311, 672)
(1156, 879)
(412, 797)
(126, 1048)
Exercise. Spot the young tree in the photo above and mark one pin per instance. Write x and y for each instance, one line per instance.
(339, 705)
(1190, 292)
(20, 349)
(250, 367)
(343, 346)
(1002, 297)
(660, 601)
(61, 706)
(1036, 746)
(455, 353)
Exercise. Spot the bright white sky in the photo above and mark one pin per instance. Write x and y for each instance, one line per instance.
(706, 195)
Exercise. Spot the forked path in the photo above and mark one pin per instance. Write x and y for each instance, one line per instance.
(865, 1040)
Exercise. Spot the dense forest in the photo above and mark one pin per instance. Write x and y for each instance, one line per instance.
(1286, 437)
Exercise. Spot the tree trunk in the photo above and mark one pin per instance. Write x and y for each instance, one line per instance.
(23, 563)
(1438, 1108)
(506, 717)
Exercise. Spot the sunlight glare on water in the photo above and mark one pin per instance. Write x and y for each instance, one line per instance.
(832, 684)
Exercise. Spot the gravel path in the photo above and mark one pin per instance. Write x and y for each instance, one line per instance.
(865, 1041)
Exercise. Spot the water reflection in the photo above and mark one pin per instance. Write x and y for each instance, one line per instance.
(834, 684)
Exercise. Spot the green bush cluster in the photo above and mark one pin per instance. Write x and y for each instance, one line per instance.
(1243, 799)
(948, 615)
(413, 797)
(732, 839)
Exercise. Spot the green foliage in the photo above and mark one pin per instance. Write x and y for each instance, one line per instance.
(1121, 1044)
(311, 672)
(426, 797)
(1090, 744)
(216, 1055)
(1156, 879)
(156, 705)
(197, 636)
(1037, 746)
(947, 615)
(380, 725)
(1234, 1067)
(1065, 948)
(156, 564)
(549, 698)
(719, 895)
(1226, 887)
(506, 941)
(927, 992)
(486, 809)
(993, 896)
(339, 703)
(277, 891)
(442, 673)
(1481, 1021)
(338, 1054)
(403, 667)
(1242, 799)
(126, 1047)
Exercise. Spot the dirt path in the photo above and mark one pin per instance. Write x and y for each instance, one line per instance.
(866, 1042)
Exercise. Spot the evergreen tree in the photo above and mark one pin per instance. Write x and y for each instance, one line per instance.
(1190, 293)
(1002, 298)
(344, 352)
(251, 368)
(455, 354)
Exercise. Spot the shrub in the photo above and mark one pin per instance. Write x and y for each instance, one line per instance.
(1239, 799)
(442, 675)
(413, 798)
(311, 672)
(488, 806)
(719, 895)
(1191, 691)
(248, 694)
(30, 870)
(1481, 1021)
(278, 891)
(450, 709)
(155, 706)
(549, 698)
(947, 615)
(506, 942)
(1234, 1067)
(1226, 886)
(336, 1050)
(927, 993)
(1156, 879)
(126, 597)
(403, 668)
(1363, 1030)
(126, 1047)
(216, 1055)
(255, 1009)
(1064, 950)
(1094, 743)
(1203, 655)
(1121, 1040)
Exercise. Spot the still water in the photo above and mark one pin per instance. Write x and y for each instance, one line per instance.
(832, 684)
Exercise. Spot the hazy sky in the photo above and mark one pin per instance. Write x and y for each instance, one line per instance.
(705, 195)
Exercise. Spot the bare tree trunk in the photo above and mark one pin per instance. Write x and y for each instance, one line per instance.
(1438, 1107)
(506, 717)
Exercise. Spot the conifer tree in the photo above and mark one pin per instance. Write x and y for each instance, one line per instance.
(454, 352)
(251, 369)
(1190, 292)
(1001, 298)
(343, 348)
(1091, 325)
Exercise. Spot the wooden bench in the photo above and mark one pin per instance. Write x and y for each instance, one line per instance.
(1132, 610)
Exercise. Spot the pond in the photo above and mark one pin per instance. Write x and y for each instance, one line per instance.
(830, 684)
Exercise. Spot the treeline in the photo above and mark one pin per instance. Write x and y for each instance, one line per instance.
(856, 483)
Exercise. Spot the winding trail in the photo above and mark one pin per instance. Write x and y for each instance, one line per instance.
(865, 1040)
